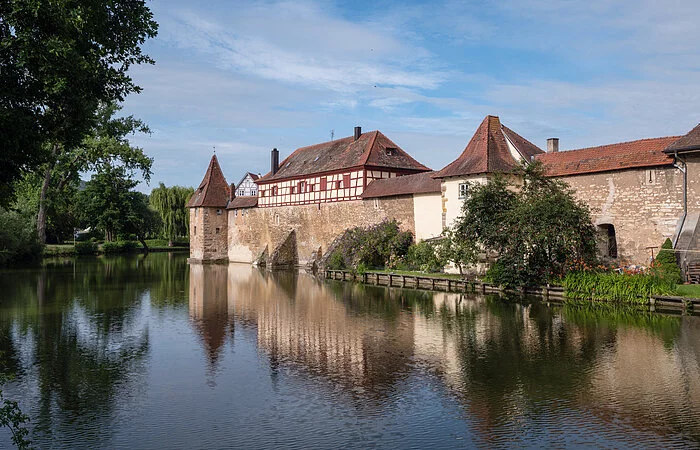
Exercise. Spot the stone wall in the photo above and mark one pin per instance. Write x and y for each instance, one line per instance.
(316, 226)
(644, 206)
(208, 234)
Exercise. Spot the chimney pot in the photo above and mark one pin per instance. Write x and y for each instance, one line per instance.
(552, 145)
(358, 132)
(274, 161)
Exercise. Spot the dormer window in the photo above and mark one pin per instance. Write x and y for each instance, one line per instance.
(390, 151)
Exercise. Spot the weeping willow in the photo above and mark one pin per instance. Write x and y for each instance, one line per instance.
(170, 202)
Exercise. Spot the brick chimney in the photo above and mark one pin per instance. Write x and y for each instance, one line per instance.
(358, 132)
(274, 161)
(552, 145)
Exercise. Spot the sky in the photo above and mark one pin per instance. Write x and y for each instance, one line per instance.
(244, 77)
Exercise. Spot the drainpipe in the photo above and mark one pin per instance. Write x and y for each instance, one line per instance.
(684, 169)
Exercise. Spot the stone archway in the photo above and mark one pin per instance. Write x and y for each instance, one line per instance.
(607, 240)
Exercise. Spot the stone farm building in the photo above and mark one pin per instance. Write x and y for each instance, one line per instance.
(639, 192)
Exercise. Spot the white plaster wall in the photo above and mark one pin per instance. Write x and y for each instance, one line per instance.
(451, 203)
(427, 213)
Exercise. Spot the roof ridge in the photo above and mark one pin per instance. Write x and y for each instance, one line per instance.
(620, 143)
(370, 145)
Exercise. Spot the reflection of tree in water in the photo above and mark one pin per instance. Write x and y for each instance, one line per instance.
(509, 353)
(82, 324)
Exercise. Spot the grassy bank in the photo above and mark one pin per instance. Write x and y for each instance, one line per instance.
(122, 247)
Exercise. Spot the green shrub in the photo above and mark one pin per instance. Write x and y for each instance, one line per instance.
(85, 248)
(336, 261)
(612, 286)
(375, 246)
(665, 264)
(118, 247)
(18, 240)
(423, 257)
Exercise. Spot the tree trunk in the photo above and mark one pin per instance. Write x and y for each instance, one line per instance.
(41, 216)
(170, 242)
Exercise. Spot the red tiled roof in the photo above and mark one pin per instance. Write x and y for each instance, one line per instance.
(244, 201)
(690, 141)
(625, 155)
(253, 176)
(213, 191)
(419, 183)
(370, 149)
(488, 151)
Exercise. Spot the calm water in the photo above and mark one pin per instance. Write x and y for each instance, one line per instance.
(148, 352)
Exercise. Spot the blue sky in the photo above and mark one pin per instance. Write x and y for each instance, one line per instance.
(245, 77)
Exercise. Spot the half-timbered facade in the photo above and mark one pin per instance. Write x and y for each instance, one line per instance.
(334, 171)
(247, 187)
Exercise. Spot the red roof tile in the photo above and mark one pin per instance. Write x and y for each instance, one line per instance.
(690, 141)
(370, 149)
(419, 183)
(625, 155)
(213, 191)
(488, 151)
(244, 201)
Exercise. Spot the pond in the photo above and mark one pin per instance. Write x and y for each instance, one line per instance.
(150, 352)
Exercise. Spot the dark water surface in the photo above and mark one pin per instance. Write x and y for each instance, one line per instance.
(148, 352)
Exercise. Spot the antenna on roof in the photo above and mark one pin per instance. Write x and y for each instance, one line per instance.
(332, 134)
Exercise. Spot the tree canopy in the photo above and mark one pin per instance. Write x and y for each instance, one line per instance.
(59, 61)
(536, 227)
(171, 203)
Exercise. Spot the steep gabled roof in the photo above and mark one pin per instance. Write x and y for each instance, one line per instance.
(370, 149)
(244, 201)
(625, 155)
(418, 183)
(690, 141)
(253, 177)
(213, 191)
(488, 151)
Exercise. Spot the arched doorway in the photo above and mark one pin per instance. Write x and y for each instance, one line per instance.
(607, 241)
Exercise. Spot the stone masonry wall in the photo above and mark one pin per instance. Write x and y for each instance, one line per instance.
(644, 206)
(252, 230)
(208, 234)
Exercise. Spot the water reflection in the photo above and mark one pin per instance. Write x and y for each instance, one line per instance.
(116, 352)
(514, 367)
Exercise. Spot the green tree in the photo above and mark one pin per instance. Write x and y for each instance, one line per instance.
(105, 146)
(108, 203)
(460, 249)
(60, 60)
(537, 228)
(171, 204)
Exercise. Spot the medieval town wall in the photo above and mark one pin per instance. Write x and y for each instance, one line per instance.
(253, 230)
(208, 230)
(643, 205)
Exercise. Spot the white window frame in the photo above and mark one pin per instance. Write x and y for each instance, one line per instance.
(462, 190)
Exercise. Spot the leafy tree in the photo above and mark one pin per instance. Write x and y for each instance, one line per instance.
(373, 246)
(12, 417)
(109, 204)
(105, 146)
(171, 204)
(537, 228)
(18, 241)
(460, 249)
(60, 60)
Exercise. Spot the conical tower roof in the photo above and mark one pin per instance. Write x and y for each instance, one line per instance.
(690, 141)
(213, 191)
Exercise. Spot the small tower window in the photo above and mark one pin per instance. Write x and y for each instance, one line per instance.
(218, 212)
(218, 230)
(195, 230)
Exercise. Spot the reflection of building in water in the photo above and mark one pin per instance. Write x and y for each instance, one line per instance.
(641, 381)
(208, 307)
(300, 320)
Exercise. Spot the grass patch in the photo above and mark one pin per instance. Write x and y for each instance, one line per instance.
(58, 250)
(688, 290)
